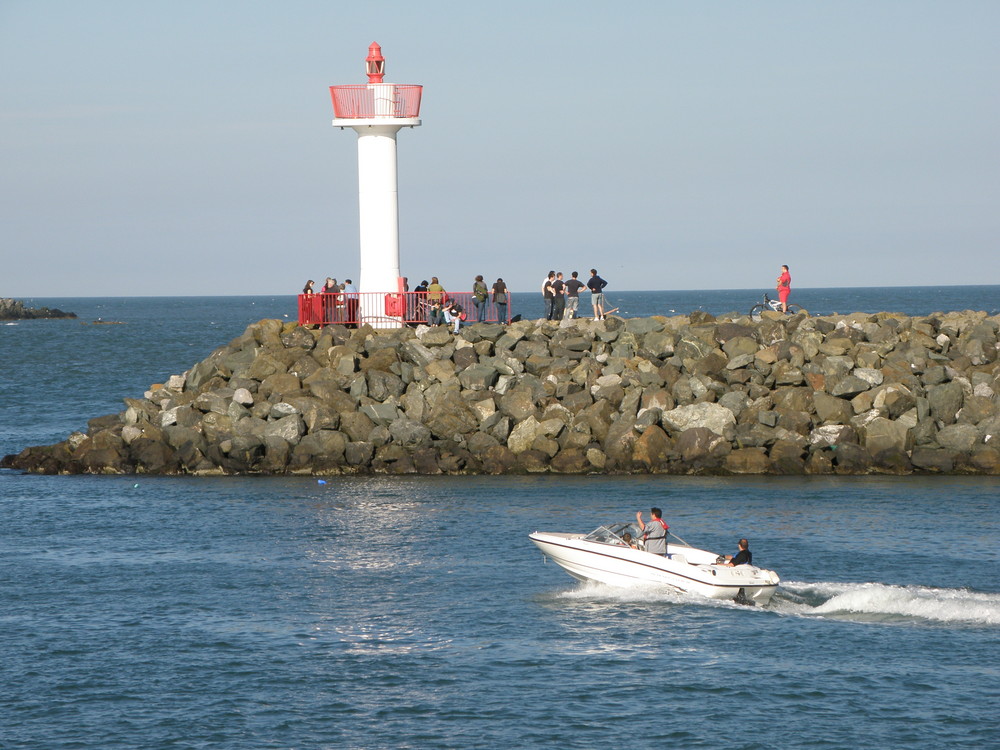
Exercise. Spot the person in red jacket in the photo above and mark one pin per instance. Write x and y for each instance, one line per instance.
(784, 287)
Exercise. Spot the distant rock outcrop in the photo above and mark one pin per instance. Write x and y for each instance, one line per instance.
(849, 394)
(14, 309)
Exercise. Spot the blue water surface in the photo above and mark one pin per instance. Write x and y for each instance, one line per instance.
(413, 612)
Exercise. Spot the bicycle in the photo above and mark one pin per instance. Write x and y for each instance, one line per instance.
(771, 304)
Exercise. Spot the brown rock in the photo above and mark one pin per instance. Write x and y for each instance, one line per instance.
(748, 461)
(849, 458)
(571, 461)
(533, 462)
(935, 460)
(653, 449)
(787, 457)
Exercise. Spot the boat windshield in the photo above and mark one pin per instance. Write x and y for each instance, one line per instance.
(612, 533)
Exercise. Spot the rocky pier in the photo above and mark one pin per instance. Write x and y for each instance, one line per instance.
(14, 309)
(844, 394)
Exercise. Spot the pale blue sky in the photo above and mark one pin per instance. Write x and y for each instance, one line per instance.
(186, 147)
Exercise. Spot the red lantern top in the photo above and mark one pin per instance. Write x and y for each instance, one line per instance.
(375, 63)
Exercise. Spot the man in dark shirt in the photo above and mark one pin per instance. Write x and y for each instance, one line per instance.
(548, 296)
(573, 287)
(596, 286)
(743, 557)
(559, 301)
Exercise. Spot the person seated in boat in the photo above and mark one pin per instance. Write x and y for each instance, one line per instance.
(627, 538)
(743, 557)
(654, 533)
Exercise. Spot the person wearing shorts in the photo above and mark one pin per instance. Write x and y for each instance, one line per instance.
(596, 286)
(573, 287)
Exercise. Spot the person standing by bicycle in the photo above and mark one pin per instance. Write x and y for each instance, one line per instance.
(784, 288)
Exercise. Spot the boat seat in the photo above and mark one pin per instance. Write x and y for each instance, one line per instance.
(675, 557)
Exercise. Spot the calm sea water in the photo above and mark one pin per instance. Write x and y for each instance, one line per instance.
(413, 612)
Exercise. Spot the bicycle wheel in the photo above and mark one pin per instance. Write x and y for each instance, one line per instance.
(755, 312)
(794, 309)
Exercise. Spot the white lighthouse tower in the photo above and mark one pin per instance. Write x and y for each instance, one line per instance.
(377, 111)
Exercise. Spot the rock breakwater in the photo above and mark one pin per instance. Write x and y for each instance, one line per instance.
(852, 394)
(14, 309)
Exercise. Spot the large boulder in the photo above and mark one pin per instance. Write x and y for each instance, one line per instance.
(945, 400)
(714, 417)
(884, 434)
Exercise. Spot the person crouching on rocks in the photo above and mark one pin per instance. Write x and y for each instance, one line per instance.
(453, 314)
(435, 313)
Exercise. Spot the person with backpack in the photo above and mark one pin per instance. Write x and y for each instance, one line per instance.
(500, 299)
(654, 533)
(480, 296)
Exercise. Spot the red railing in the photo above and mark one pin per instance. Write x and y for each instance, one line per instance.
(382, 309)
(358, 101)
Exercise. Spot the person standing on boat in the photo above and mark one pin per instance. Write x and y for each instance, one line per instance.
(743, 557)
(654, 533)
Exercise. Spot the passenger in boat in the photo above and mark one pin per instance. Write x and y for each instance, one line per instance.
(743, 557)
(654, 534)
(627, 538)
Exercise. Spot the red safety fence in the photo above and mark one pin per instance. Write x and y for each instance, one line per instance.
(366, 100)
(390, 309)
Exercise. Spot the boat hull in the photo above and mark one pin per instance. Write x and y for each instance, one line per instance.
(684, 569)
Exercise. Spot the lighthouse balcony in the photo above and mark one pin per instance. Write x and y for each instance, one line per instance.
(376, 101)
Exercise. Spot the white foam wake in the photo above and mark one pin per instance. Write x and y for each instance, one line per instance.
(881, 602)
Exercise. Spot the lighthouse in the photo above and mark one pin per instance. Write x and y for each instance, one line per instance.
(377, 111)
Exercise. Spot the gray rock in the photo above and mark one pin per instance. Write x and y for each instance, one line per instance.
(830, 435)
(523, 435)
(849, 387)
(718, 419)
(383, 385)
(282, 409)
(768, 418)
(830, 409)
(884, 434)
(409, 433)
(289, 428)
(243, 397)
(359, 453)
(381, 414)
(945, 400)
(870, 375)
(960, 438)
(479, 377)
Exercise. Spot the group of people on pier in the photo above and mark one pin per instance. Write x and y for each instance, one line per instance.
(562, 296)
(339, 303)
(428, 303)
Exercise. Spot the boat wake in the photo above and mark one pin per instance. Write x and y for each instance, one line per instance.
(882, 603)
(851, 602)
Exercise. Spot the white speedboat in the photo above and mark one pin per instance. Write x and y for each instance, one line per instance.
(605, 556)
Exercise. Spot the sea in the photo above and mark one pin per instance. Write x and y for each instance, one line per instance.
(413, 612)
